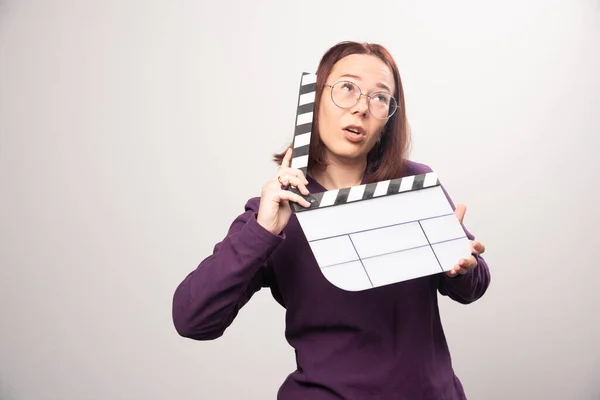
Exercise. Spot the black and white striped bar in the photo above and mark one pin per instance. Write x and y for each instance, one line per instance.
(304, 119)
(369, 191)
(332, 214)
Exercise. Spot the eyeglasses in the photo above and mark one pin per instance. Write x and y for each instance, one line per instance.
(346, 94)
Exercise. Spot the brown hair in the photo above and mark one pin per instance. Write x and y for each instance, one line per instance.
(387, 158)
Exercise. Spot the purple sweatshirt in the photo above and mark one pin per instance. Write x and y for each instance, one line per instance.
(382, 343)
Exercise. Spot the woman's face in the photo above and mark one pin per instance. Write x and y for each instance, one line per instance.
(350, 133)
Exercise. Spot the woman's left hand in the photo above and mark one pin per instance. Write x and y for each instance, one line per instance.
(466, 264)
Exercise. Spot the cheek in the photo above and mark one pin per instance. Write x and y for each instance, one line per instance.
(329, 117)
(378, 128)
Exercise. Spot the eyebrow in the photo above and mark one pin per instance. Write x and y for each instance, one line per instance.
(379, 84)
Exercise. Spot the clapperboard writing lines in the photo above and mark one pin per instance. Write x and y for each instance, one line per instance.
(394, 252)
(361, 261)
(432, 249)
(385, 226)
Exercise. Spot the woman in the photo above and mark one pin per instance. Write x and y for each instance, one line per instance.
(383, 343)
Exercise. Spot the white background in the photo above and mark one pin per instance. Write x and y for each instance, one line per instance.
(133, 132)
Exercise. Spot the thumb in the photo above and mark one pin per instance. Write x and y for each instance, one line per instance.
(460, 211)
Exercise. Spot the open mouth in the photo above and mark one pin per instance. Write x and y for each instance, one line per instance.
(356, 130)
(354, 134)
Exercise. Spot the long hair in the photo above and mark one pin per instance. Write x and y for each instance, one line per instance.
(387, 158)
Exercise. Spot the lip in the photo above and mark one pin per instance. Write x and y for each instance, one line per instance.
(356, 128)
(354, 137)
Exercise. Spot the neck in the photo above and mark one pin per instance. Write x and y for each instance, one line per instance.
(340, 173)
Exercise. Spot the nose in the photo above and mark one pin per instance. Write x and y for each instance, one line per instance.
(362, 106)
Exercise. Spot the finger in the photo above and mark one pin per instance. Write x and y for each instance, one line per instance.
(456, 270)
(295, 182)
(285, 163)
(289, 196)
(460, 211)
(294, 172)
(478, 247)
(282, 181)
(468, 263)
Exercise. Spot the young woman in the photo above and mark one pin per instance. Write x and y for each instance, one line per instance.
(383, 343)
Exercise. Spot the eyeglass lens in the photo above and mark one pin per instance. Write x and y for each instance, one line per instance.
(347, 94)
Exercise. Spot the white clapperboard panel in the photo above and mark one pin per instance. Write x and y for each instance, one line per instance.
(377, 234)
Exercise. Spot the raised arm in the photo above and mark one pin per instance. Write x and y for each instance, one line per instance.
(210, 297)
(206, 302)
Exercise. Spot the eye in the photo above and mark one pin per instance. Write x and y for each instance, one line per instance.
(382, 98)
(348, 86)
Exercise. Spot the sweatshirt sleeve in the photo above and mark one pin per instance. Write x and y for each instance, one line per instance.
(206, 302)
(471, 286)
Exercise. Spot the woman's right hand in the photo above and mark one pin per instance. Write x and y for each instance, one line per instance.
(274, 211)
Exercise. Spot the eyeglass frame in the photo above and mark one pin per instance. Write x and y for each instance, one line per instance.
(368, 96)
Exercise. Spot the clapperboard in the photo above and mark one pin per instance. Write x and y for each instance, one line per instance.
(376, 234)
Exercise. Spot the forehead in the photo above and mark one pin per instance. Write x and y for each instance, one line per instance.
(369, 71)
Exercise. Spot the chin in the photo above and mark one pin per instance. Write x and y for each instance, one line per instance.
(349, 152)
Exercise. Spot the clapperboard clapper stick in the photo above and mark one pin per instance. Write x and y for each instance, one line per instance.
(376, 234)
